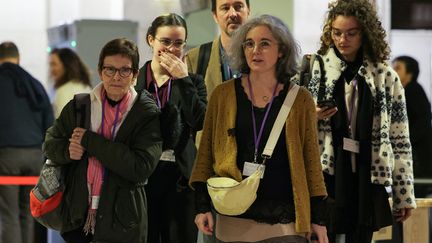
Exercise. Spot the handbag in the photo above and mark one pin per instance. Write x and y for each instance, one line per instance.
(46, 198)
(230, 197)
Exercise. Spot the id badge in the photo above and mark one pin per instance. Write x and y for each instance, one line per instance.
(351, 145)
(249, 168)
(168, 155)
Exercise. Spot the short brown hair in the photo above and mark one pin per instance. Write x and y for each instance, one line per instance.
(120, 46)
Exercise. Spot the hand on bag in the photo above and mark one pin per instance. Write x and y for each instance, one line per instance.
(320, 233)
(204, 222)
(75, 149)
(176, 67)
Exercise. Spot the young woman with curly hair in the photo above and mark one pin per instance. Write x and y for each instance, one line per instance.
(363, 137)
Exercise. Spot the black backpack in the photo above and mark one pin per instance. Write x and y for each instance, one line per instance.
(306, 72)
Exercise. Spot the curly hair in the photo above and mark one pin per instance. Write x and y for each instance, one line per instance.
(375, 47)
(286, 66)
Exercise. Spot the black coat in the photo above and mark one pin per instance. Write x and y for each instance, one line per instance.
(128, 161)
(26, 109)
(419, 117)
(189, 97)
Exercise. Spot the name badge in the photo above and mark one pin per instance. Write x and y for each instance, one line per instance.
(168, 155)
(249, 168)
(351, 145)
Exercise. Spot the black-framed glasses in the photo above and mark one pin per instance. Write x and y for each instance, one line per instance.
(179, 44)
(349, 34)
(249, 45)
(110, 71)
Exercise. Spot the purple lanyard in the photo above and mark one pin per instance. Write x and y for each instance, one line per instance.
(353, 97)
(257, 139)
(159, 103)
(115, 119)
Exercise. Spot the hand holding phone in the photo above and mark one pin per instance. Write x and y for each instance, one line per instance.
(327, 103)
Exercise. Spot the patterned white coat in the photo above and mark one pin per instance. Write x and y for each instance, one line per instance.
(391, 148)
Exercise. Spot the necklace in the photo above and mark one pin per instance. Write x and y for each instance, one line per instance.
(265, 98)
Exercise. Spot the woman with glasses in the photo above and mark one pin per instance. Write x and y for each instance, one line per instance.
(240, 115)
(364, 140)
(182, 99)
(108, 163)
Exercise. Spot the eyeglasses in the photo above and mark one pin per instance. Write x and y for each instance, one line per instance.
(178, 44)
(263, 45)
(111, 71)
(349, 35)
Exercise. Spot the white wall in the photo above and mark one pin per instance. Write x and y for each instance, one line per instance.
(24, 22)
(308, 22)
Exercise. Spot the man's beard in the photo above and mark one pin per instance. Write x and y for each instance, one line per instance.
(229, 32)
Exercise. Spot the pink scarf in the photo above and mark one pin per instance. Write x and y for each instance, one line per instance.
(95, 169)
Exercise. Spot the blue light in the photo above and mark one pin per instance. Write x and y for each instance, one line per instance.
(48, 49)
(73, 43)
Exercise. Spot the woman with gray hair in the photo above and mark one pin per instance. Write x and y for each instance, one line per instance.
(240, 116)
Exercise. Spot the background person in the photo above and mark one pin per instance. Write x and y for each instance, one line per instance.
(108, 163)
(419, 117)
(26, 114)
(70, 75)
(369, 98)
(265, 51)
(182, 97)
(229, 15)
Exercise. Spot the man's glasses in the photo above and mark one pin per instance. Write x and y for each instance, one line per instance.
(178, 44)
(349, 35)
(111, 71)
(263, 45)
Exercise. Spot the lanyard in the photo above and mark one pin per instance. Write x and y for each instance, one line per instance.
(115, 119)
(353, 98)
(258, 138)
(159, 103)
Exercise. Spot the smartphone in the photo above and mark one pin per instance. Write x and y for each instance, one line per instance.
(327, 103)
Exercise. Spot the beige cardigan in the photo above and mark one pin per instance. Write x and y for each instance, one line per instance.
(217, 154)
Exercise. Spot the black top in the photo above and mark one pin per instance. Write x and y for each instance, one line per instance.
(419, 117)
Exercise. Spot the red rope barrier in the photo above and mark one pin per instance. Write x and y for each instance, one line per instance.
(18, 180)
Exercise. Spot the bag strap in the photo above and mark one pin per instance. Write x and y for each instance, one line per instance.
(203, 58)
(280, 121)
(322, 86)
(82, 110)
(307, 70)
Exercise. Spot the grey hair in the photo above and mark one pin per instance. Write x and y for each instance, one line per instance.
(286, 66)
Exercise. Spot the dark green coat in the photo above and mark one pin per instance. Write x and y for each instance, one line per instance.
(128, 161)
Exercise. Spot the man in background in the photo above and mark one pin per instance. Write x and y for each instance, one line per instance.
(26, 114)
(419, 118)
(210, 59)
